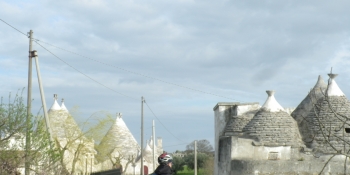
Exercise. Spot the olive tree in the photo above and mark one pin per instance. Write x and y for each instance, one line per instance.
(13, 130)
(203, 146)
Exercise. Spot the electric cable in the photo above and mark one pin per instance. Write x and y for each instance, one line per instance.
(163, 124)
(126, 70)
(36, 41)
(136, 73)
(13, 27)
(108, 88)
(83, 73)
(174, 145)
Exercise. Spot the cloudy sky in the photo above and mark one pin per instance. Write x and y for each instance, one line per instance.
(231, 50)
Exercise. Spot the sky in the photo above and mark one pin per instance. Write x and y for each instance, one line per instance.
(182, 56)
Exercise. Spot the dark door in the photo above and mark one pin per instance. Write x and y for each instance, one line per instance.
(145, 170)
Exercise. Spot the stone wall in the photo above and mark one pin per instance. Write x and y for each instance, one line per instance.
(254, 167)
(223, 112)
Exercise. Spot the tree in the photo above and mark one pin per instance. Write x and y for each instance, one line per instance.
(201, 159)
(75, 145)
(203, 146)
(117, 156)
(209, 166)
(13, 127)
(118, 147)
(178, 164)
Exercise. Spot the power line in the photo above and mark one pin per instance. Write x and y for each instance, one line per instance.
(163, 124)
(174, 145)
(136, 73)
(13, 27)
(36, 41)
(83, 73)
(126, 70)
(108, 88)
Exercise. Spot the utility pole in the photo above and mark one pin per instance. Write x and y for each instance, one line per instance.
(142, 101)
(195, 157)
(154, 144)
(29, 106)
(46, 116)
(91, 162)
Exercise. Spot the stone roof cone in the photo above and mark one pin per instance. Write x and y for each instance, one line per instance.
(236, 123)
(148, 152)
(332, 111)
(62, 122)
(315, 94)
(272, 126)
(118, 138)
(303, 109)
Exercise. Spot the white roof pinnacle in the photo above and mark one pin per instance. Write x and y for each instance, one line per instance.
(63, 107)
(271, 103)
(333, 88)
(55, 105)
(119, 115)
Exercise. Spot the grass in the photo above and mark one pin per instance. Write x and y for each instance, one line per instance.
(189, 172)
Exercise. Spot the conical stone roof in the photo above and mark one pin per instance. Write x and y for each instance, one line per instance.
(62, 124)
(272, 126)
(328, 121)
(148, 153)
(304, 108)
(236, 124)
(118, 138)
(313, 96)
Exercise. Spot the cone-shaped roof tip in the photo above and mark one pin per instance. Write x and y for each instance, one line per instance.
(147, 148)
(271, 103)
(63, 107)
(270, 93)
(320, 82)
(55, 105)
(332, 76)
(333, 88)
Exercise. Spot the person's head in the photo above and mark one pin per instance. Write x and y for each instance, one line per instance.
(165, 159)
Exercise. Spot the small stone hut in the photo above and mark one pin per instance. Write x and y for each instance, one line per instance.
(250, 139)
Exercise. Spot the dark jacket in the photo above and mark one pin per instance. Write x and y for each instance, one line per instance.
(163, 170)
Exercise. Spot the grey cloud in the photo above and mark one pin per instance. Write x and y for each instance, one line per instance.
(233, 49)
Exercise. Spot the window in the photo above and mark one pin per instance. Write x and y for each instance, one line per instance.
(274, 156)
